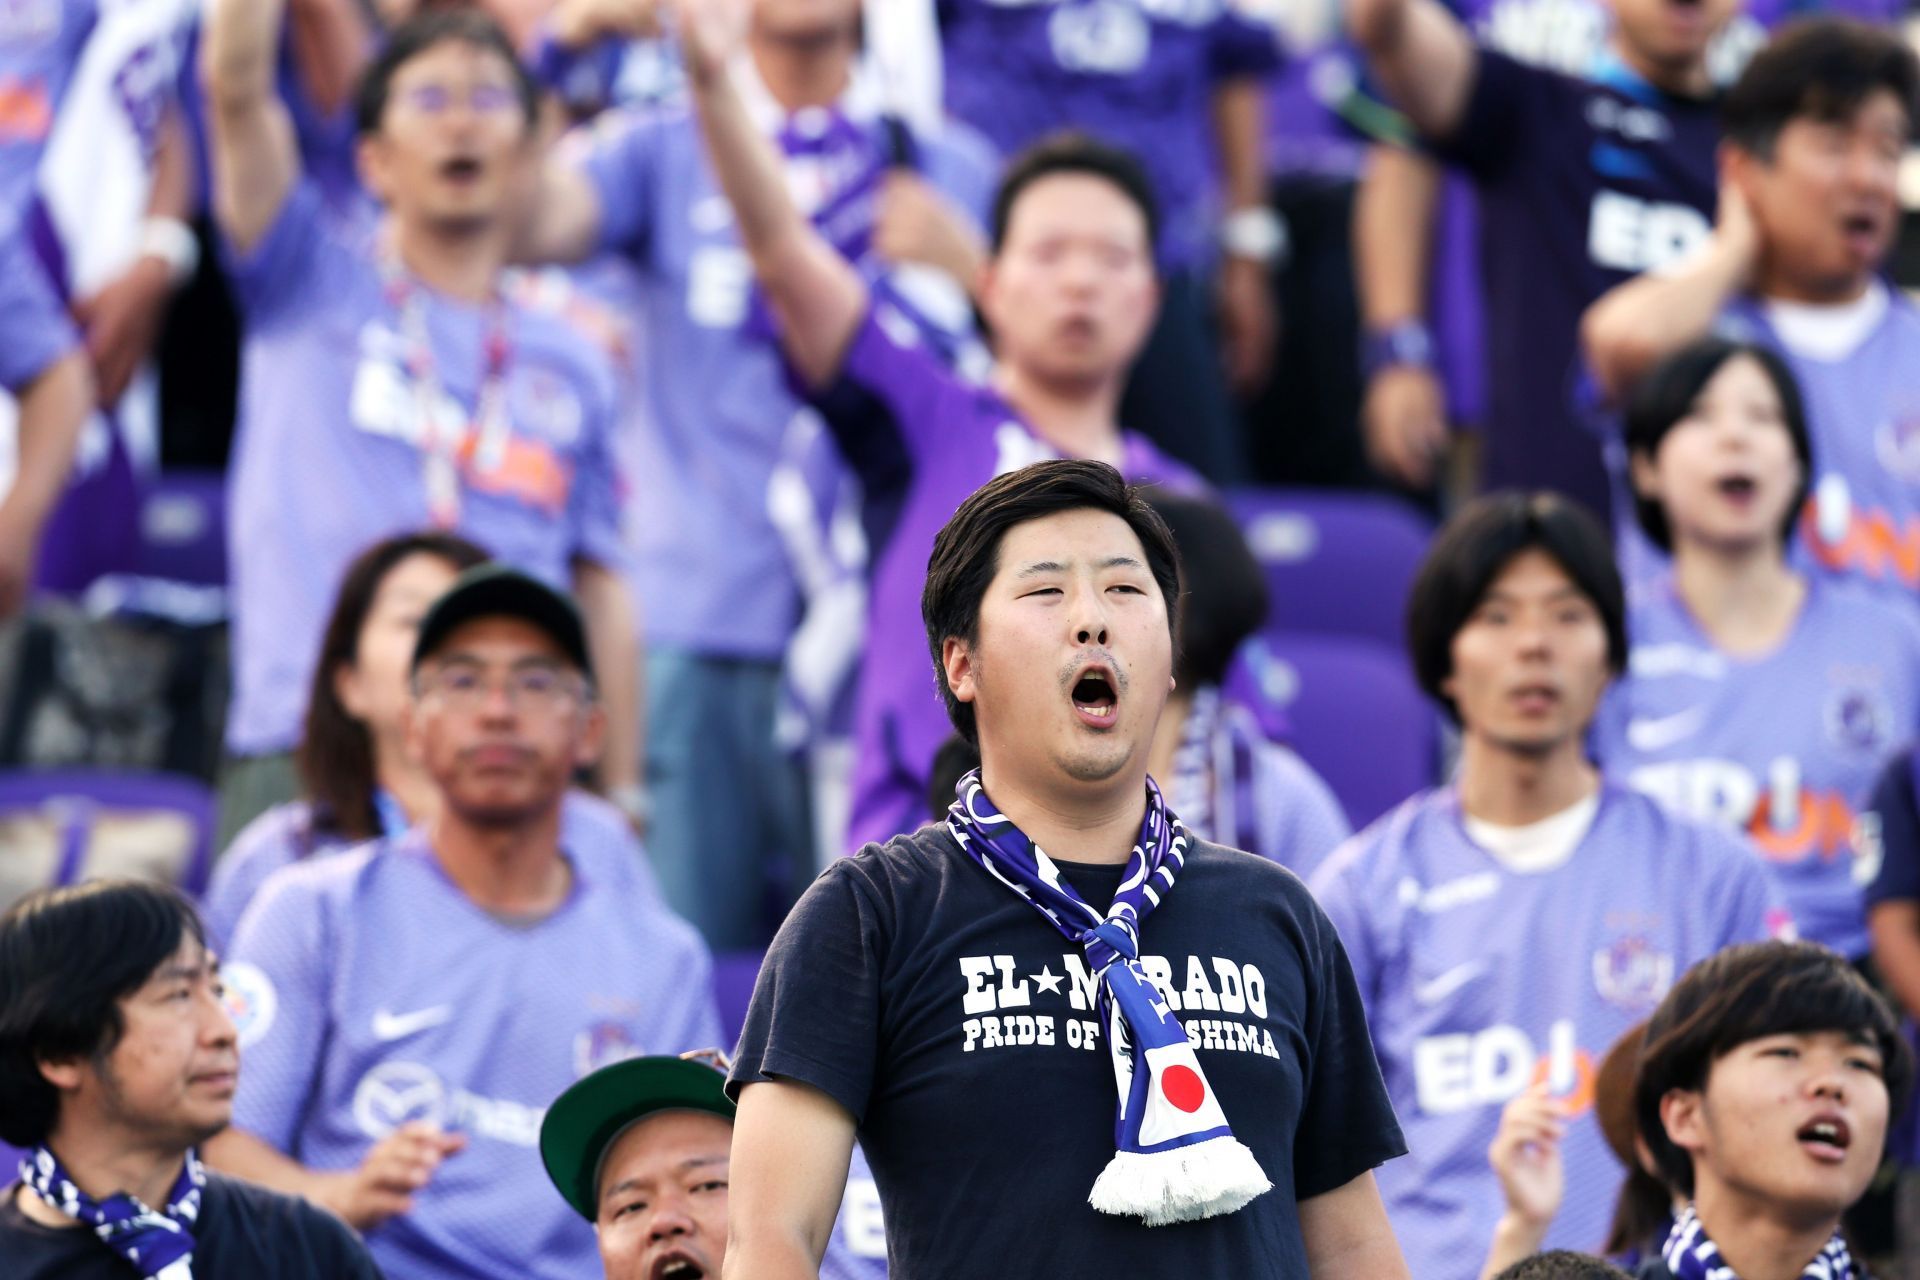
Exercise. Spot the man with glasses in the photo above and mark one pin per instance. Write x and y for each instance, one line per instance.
(408, 1010)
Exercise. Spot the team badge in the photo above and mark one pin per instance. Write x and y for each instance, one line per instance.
(1896, 443)
(250, 1000)
(1858, 720)
(1630, 974)
(601, 1044)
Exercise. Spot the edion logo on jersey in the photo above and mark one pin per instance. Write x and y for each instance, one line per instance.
(1469, 1069)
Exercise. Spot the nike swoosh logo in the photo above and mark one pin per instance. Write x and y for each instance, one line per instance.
(1658, 733)
(398, 1026)
(1434, 990)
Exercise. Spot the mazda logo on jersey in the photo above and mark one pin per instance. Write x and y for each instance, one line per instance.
(397, 1093)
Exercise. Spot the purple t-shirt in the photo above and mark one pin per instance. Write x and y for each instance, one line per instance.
(327, 457)
(40, 43)
(1139, 75)
(922, 440)
(35, 330)
(370, 992)
(1783, 747)
(708, 560)
(1583, 184)
(1480, 980)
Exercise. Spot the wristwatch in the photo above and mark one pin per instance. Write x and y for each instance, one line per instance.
(1256, 233)
(1408, 343)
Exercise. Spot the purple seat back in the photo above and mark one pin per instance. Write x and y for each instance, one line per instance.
(1336, 563)
(183, 529)
(79, 792)
(734, 973)
(1353, 712)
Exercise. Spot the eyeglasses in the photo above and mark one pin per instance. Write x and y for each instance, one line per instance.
(531, 688)
(481, 99)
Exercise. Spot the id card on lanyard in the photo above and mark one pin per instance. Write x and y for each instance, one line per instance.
(449, 445)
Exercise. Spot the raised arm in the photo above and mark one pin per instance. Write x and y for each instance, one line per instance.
(1636, 325)
(255, 159)
(1405, 412)
(791, 1145)
(816, 295)
(53, 409)
(1422, 55)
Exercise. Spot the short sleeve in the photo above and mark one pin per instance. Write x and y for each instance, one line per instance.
(815, 1014)
(1239, 47)
(696, 1023)
(277, 975)
(1751, 906)
(35, 331)
(1335, 888)
(1512, 109)
(263, 846)
(893, 394)
(619, 153)
(1347, 1125)
(300, 255)
(594, 500)
(1308, 822)
(1892, 812)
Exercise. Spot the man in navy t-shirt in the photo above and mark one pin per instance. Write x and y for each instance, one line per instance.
(1583, 184)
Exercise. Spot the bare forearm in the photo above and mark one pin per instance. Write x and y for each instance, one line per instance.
(765, 1257)
(1637, 324)
(1513, 1239)
(613, 636)
(172, 192)
(241, 1154)
(1239, 126)
(1393, 217)
(237, 60)
(331, 46)
(53, 409)
(1423, 57)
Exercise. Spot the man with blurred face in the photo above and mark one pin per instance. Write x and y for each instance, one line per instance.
(416, 1003)
(1068, 292)
(1809, 208)
(394, 378)
(1130, 1051)
(1583, 182)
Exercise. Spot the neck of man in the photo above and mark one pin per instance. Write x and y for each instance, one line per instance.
(1776, 284)
(1167, 735)
(459, 263)
(509, 869)
(1754, 1241)
(406, 782)
(103, 1162)
(1070, 820)
(1683, 80)
(1745, 600)
(1078, 421)
(1514, 788)
(811, 70)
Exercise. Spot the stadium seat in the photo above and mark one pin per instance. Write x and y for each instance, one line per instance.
(1337, 563)
(61, 826)
(1352, 710)
(183, 535)
(734, 973)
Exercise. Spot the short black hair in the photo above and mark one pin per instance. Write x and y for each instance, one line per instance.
(1226, 592)
(1667, 395)
(1476, 546)
(1562, 1264)
(68, 956)
(1747, 993)
(1821, 69)
(1071, 151)
(966, 552)
(425, 31)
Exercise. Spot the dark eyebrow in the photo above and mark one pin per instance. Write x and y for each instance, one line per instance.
(696, 1162)
(1042, 566)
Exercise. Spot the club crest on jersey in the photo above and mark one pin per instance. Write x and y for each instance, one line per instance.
(601, 1044)
(1630, 974)
(250, 1000)
(1858, 719)
(1896, 442)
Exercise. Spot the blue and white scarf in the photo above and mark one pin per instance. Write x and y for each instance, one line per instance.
(159, 1245)
(1176, 1160)
(1691, 1255)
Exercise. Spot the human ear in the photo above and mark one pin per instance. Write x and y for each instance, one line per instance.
(956, 661)
(1680, 1116)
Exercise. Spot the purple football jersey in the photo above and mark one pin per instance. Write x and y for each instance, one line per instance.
(1480, 981)
(40, 44)
(1783, 747)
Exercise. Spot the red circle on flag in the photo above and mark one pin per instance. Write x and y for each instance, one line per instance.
(1183, 1087)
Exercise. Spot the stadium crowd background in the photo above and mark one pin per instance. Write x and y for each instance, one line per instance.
(1379, 239)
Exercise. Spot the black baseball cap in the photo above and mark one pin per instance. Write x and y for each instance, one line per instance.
(583, 1123)
(495, 590)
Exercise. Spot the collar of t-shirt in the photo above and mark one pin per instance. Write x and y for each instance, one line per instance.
(862, 101)
(1537, 846)
(1828, 332)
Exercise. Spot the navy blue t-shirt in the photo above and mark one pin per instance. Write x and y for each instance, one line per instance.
(1583, 184)
(956, 1025)
(1894, 811)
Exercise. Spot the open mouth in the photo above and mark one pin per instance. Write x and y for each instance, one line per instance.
(1535, 697)
(1737, 488)
(1826, 1139)
(676, 1266)
(1861, 230)
(1094, 697)
(461, 169)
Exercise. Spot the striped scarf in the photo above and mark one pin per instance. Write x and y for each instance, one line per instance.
(1177, 1160)
(157, 1244)
(1691, 1255)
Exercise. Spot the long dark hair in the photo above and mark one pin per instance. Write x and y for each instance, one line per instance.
(336, 751)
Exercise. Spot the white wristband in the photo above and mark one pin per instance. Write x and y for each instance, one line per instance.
(1255, 232)
(171, 241)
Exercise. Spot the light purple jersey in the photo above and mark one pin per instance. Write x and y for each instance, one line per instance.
(370, 992)
(897, 402)
(34, 327)
(1863, 416)
(40, 43)
(590, 829)
(1480, 981)
(328, 454)
(1784, 747)
(1140, 75)
(709, 562)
